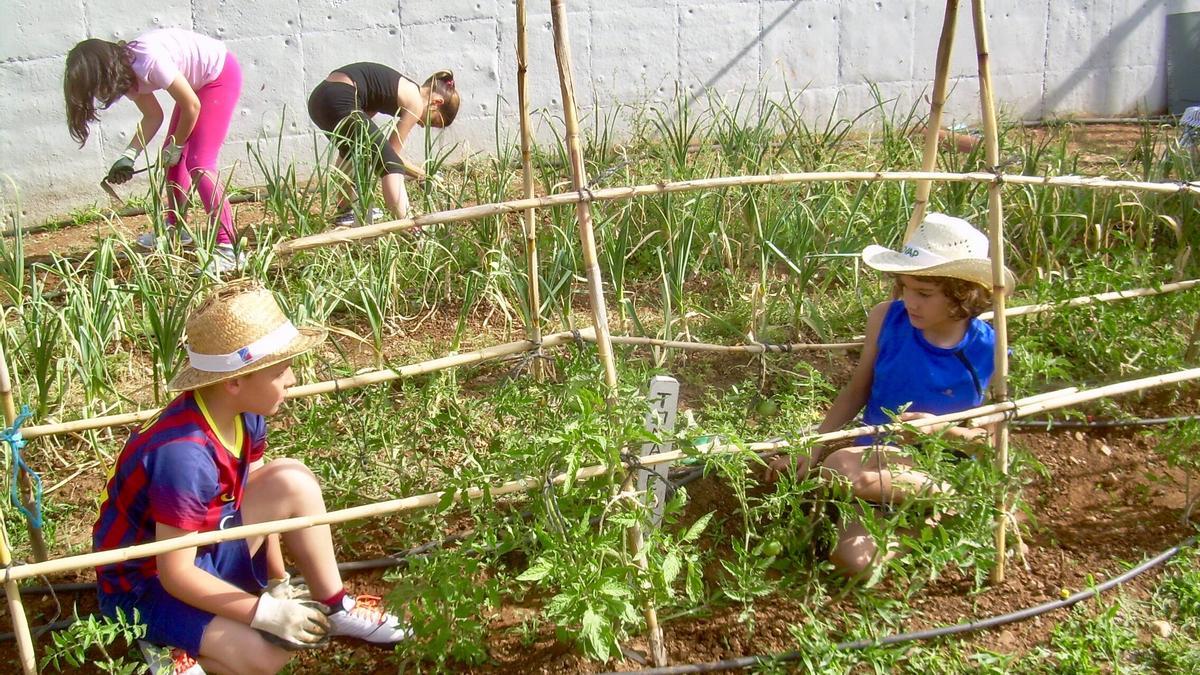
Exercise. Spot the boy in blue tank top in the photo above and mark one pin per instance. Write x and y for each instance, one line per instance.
(926, 353)
(198, 466)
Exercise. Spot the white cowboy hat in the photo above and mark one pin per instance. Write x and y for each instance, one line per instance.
(942, 246)
(236, 330)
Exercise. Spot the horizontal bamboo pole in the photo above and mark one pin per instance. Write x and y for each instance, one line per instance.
(757, 348)
(329, 386)
(1017, 408)
(1022, 310)
(1099, 297)
(515, 206)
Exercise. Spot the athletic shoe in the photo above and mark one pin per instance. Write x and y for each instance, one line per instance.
(222, 261)
(169, 660)
(149, 241)
(363, 617)
(348, 219)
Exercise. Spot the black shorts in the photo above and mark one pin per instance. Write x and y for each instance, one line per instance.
(333, 107)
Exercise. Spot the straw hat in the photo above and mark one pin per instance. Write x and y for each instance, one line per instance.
(942, 246)
(236, 330)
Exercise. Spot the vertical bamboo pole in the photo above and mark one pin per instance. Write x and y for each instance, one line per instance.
(933, 125)
(15, 607)
(991, 141)
(583, 210)
(533, 332)
(37, 542)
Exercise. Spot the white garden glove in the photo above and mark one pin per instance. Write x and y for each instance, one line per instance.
(299, 624)
(282, 588)
(171, 154)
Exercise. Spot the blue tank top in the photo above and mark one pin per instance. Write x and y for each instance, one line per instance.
(938, 380)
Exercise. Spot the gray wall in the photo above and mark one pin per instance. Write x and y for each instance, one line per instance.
(1100, 57)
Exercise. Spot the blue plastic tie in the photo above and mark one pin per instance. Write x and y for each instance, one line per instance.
(12, 436)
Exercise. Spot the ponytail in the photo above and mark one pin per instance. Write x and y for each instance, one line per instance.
(96, 70)
(442, 84)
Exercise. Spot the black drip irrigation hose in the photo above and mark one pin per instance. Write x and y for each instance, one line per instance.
(928, 634)
(1051, 424)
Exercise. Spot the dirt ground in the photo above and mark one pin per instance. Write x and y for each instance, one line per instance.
(1108, 499)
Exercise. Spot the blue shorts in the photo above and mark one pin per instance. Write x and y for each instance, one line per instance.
(172, 622)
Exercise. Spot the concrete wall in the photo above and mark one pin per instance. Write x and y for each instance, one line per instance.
(1100, 57)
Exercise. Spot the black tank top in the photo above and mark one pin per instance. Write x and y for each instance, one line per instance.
(376, 86)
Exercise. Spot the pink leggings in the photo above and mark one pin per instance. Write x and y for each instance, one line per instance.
(218, 100)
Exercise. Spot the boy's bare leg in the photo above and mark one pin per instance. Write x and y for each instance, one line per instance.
(286, 488)
(235, 648)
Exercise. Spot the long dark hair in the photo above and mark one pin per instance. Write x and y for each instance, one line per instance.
(442, 84)
(97, 70)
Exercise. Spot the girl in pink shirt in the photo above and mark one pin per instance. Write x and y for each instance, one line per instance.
(203, 78)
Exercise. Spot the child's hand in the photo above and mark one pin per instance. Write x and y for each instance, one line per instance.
(283, 589)
(120, 172)
(300, 624)
(171, 154)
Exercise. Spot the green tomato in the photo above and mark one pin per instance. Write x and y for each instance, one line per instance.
(771, 548)
(766, 408)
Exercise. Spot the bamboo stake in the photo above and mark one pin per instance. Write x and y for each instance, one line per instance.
(16, 609)
(37, 542)
(933, 126)
(534, 330)
(346, 236)
(583, 210)
(330, 386)
(556, 339)
(991, 143)
(1011, 409)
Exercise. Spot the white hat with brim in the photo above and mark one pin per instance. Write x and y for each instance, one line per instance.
(237, 330)
(941, 246)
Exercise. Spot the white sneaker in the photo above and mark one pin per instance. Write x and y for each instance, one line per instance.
(149, 241)
(348, 219)
(169, 660)
(223, 260)
(362, 617)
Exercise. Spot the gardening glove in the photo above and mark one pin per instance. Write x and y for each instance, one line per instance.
(171, 154)
(122, 169)
(300, 624)
(283, 589)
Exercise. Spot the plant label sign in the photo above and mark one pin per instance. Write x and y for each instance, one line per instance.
(663, 395)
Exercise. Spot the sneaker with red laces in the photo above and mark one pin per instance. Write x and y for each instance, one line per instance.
(169, 660)
(362, 617)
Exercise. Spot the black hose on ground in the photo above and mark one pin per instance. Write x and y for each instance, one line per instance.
(929, 634)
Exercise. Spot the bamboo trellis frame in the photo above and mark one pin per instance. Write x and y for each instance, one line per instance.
(582, 197)
(1010, 409)
(516, 206)
(557, 339)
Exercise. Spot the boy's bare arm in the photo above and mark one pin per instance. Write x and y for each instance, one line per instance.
(181, 578)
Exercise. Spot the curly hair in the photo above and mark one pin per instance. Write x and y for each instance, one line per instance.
(967, 298)
(97, 70)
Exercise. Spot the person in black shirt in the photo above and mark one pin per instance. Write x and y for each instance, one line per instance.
(344, 103)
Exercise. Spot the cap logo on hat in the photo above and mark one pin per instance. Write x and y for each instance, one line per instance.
(244, 354)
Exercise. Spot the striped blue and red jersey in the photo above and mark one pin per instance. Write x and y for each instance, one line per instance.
(174, 470)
